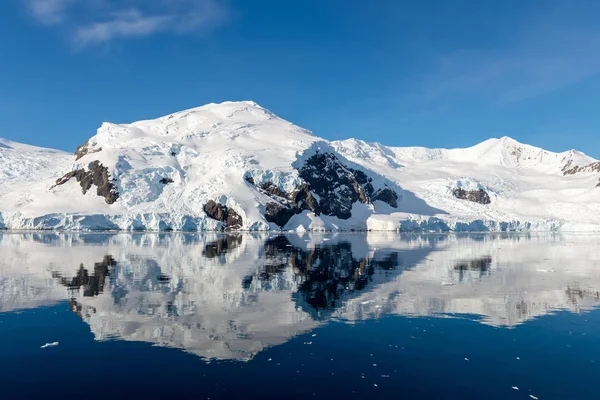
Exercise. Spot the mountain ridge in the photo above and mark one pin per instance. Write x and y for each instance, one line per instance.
(160, 174)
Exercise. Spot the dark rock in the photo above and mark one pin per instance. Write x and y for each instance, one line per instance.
(476, 196)
(271, 189)
(166, 181)
(221, 213)
(234, 220)
(84, 149)
(98, 176)
(303, 199)
(216, 211)
(388, 196)
(279, 214)
(337, 186)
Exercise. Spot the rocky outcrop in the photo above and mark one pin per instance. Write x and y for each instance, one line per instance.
(166, 181)
(568, 170)
(279, 213)
(476, 196)
(85, 149)
(594, 167)
(330, 188)
(337, 186)
(229, 217)
(97, 175)
(388, 196)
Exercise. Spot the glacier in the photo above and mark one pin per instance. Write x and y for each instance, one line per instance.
(269, 174)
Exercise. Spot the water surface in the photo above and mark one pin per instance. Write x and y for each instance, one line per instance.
(314, 316)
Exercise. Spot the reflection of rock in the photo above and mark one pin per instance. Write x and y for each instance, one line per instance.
(92, 284)
(231, 296)
(222, 246)
(479, 264)
(476, 196)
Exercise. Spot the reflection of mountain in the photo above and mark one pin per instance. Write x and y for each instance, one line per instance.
(228, 297)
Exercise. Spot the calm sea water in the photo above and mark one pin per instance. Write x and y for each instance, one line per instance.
(316, 316)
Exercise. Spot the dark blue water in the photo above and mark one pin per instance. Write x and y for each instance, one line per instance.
(350, 316)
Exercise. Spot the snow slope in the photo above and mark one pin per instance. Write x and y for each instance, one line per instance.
(245, 158)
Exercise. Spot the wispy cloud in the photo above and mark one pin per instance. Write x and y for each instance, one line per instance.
(93, 22)
(49, 12)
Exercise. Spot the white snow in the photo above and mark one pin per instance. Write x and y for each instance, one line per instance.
(209, 152)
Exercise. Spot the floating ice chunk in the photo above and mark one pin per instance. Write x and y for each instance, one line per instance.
(515, 388)
(533, 397)
(53, 344)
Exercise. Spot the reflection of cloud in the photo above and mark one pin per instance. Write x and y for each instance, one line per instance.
(231, 297)
(101, 21)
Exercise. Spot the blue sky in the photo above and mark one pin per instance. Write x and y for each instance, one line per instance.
(432, 73)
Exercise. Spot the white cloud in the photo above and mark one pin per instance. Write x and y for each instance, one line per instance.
(121, 25)
(49, 12)
(93, 22)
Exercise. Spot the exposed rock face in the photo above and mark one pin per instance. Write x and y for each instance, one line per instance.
(595, 167)
(336, 186)
(98, 176)
(476, 196)
(280, 214)
(569, 170)
(222, 213)
(387, 196)
(166, 181)
(84, 149)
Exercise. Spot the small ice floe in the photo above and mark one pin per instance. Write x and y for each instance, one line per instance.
(270, 359)
(385, 376)
(367, 302)
(314, 334)
(533, 397)
(515, 388)
(466, 359)
(448, 283)
(53, 344)
(307, 342)
(518, 358)
(375, 384)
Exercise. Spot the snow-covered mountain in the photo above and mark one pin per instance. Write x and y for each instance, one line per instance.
(237, 166)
